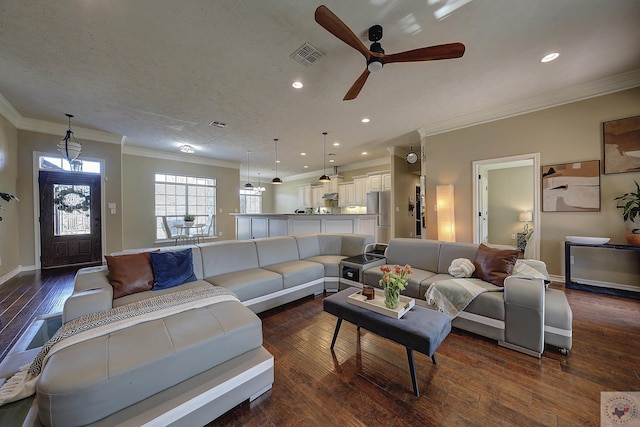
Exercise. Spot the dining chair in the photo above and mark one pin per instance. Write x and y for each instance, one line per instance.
(170, 234)
(206, 231)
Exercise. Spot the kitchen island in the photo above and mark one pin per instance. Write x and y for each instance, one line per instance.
(255, 226)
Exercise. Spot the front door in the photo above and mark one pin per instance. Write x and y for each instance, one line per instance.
(70, 219)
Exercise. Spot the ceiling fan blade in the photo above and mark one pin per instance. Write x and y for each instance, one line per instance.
(357, 86)
(330, 22)
(432, 53)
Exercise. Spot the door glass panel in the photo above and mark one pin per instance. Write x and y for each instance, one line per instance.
(71, 207)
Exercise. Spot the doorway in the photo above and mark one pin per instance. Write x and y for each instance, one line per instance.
(481, 189)
(70, 218)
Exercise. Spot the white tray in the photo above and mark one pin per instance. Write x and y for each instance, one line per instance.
(377, 304)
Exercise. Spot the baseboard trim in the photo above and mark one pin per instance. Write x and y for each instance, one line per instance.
(9, 276)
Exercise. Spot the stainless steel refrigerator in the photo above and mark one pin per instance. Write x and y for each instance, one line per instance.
(379, 202)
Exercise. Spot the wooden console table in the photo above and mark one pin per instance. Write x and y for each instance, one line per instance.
(570, 284)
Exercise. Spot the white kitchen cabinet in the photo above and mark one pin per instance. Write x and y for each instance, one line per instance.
(386, 181)
(342, 196)
(360, 189)
(375, 182)
(317, 191)
(304, 196)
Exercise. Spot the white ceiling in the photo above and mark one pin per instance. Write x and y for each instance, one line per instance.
(158, 71)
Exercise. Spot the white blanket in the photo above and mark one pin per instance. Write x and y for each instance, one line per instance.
(451, 296)
(23, 383)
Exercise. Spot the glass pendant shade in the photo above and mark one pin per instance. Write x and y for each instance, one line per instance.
(70, 147)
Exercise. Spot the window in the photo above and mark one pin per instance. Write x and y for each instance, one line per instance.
(178, 195)
(60, 164)
(250, 201)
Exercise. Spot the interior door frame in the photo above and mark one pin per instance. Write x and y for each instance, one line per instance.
(476, 167)
(36, 204)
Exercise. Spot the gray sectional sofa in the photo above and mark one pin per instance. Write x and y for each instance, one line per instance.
(189, 367)
(524, 315)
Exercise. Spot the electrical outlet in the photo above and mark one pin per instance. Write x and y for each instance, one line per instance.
(513, 237)
(219, 233)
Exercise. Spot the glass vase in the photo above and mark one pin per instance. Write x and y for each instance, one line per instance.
(391, 297)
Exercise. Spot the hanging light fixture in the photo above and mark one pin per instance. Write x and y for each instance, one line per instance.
(259, 188)
(248, 185)
(276, 180)
(324, 177)
(69, 147)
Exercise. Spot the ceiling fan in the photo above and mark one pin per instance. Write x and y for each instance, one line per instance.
(375, 55)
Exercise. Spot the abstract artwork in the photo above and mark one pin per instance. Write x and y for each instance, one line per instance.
(571, 187)
(622, 145)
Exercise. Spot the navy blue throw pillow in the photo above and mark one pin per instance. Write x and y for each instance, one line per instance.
(172, 268)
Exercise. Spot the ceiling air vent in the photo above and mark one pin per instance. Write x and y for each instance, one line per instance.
(307, 55)
(217, 124)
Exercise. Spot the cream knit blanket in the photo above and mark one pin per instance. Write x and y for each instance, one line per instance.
(23, 383)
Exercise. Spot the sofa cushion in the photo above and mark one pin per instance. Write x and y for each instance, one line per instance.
(130, 274)
(420, 254)
(172, 268)
(355, 244)
(228, 257)
(488, 304)
(308, 245)
(296, 273)
(95, 378)
(274, 250)
(494, 265)
(249, 284)
(451, 251)
(331, 264)
(373, 275)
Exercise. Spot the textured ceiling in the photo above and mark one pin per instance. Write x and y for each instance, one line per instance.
(158, 71)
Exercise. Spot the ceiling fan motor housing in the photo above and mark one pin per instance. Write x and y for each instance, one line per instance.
(375, 33)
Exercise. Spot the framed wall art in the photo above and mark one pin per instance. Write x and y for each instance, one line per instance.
(571, 187)
(622, 145)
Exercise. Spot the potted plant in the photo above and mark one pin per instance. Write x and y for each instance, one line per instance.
(189, 219)
(7, 197)
(630, 205)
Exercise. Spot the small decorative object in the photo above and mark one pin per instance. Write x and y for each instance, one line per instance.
(630, 205)
(368, 292)
(7, 197)
(621, 143)
(394, 281)
(571, 187)
(189, 220)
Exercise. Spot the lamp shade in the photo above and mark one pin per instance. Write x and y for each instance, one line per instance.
(525, 216)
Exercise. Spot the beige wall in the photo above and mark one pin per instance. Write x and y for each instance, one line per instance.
(138, 196)
(404, 187)
(9, 237)
(510, 192)
(568, 133)
(30, 142)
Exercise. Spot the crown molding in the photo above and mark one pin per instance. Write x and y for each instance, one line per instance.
(8, 112)
(184, 158)
(576, 93)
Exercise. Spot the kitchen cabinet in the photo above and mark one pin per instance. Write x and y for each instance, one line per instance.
(346, 195)
(386, 181)
(317, 191)
(375, 182)
(304, 196)
(360, 190)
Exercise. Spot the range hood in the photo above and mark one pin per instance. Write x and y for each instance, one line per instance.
(330, 196)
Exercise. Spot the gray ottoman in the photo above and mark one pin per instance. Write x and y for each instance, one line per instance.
(420, 329)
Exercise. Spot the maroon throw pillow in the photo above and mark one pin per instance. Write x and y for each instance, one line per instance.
(494, 265)
(130, 274)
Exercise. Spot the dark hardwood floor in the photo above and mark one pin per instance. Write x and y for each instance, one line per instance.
(366, 380)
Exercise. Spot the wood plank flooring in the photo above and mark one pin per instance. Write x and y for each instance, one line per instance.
(365, 380)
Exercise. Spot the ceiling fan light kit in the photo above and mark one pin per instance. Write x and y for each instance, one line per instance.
(375, 56)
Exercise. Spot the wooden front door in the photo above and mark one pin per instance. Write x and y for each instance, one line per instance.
(70, 219)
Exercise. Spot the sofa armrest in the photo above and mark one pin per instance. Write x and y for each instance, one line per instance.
(524, 313)
(92, 293)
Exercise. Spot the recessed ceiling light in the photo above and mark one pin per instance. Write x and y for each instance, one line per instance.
(303, 154)
(297, 85)
(277, 161)
(550, 57)
(306, 167)
(331, 160)
(186, 148)
(364, 153)
(336, 144)
(365, 120)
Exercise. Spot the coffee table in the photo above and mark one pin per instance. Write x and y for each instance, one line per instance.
(420, 328)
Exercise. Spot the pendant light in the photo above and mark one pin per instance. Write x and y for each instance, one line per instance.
(324, 177)
(248, 185)
(259, 188)
(276, 180)
(69, 147)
